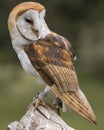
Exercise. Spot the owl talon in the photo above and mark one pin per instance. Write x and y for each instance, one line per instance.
(38, 100)
(56, 108)
(57, 104)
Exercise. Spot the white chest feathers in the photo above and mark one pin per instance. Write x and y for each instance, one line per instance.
(25, 62)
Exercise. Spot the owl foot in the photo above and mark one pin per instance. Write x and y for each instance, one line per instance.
(38, 100)
(55, 107)
(57, 104)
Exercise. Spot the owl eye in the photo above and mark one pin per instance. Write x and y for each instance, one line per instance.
(29, 21)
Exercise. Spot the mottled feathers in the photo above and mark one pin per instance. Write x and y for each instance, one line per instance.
(52, 56)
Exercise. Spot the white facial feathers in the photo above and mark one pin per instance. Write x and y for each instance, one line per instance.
(31, 25)
(28, 25)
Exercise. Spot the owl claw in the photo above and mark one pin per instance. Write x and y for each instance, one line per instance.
(56, 108)
(38, 100)
(57, 104)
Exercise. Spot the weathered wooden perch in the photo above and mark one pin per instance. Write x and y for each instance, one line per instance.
(42, 118)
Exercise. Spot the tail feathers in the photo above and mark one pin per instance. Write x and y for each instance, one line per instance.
(77, 102)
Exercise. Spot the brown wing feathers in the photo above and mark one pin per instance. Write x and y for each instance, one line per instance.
(62, 77)
(76, 103)
(52, 57)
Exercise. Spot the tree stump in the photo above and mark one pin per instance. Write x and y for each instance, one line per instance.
(41, 118)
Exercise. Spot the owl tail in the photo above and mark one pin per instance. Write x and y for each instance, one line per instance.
(77, 102)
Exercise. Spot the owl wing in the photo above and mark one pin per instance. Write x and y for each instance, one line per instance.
(52, 57)
(64, 78)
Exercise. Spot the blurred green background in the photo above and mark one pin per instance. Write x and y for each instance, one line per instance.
(81, 22)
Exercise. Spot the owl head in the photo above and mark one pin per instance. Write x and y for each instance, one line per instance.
(26, 23)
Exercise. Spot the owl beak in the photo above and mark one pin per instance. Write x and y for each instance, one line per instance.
(36, 31)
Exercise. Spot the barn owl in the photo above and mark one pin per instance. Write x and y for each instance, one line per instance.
(48, 55)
